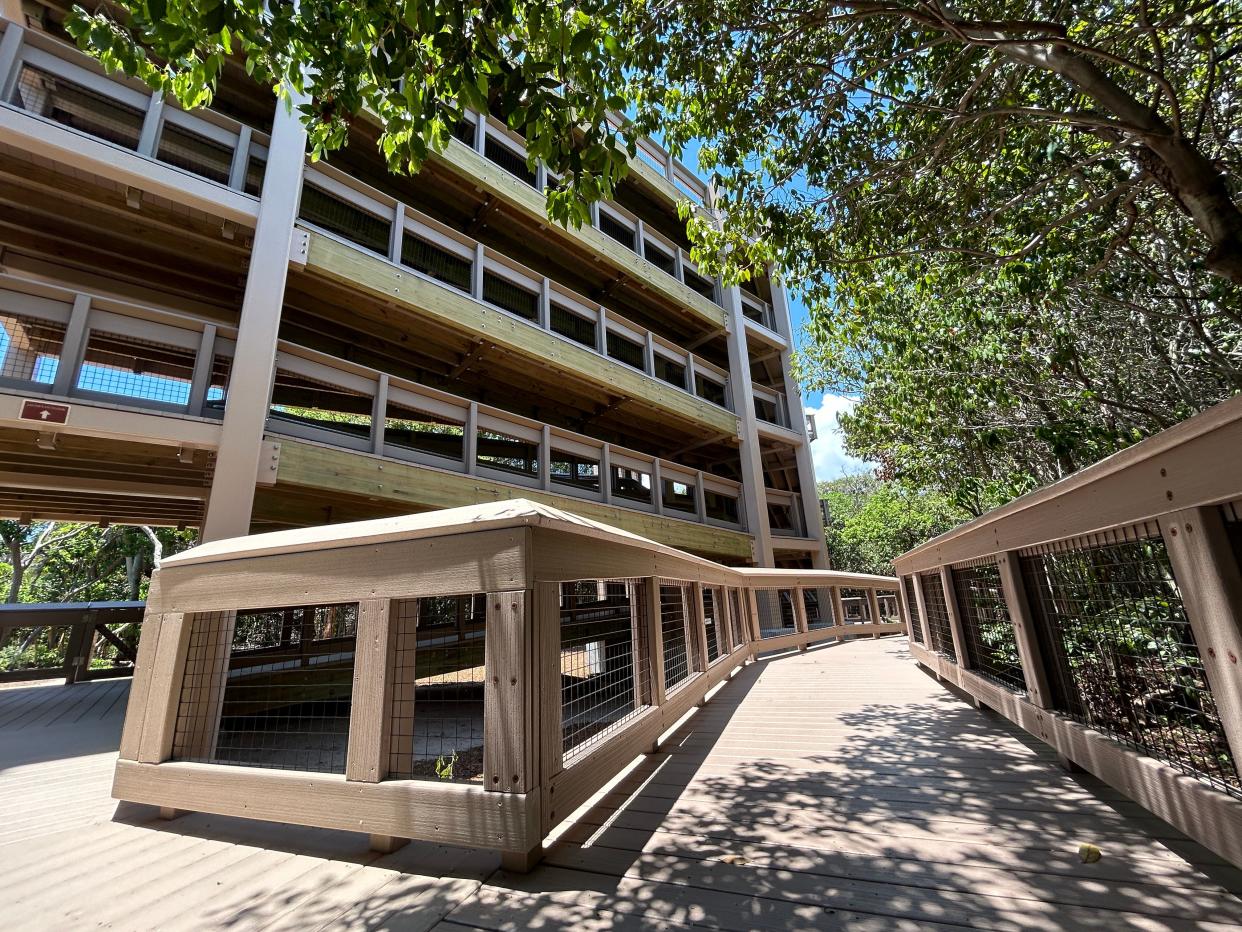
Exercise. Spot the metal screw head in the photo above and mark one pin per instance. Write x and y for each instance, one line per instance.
(1212, 652)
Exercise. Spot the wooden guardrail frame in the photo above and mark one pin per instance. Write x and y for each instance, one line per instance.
(518, 553)
(84, 619)
(1176, 482)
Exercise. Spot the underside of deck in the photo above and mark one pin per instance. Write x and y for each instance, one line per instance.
(840, 787)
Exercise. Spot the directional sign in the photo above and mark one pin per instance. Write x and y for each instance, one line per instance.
(45, 412)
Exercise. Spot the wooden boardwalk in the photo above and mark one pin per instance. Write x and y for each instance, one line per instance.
(838, 788)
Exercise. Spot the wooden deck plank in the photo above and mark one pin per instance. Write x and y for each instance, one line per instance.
(837, 788)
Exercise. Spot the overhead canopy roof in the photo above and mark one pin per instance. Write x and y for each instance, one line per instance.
(518, 512)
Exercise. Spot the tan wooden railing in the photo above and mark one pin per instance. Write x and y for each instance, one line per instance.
(1104, 615)
(79, 641)
(469, 676)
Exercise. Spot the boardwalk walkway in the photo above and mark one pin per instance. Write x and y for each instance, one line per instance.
(839, 788)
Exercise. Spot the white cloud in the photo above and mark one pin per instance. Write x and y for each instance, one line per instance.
(828, 452)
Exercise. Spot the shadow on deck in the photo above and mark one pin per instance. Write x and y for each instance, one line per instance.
(840, 787)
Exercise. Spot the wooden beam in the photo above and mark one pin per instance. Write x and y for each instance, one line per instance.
(370, 710)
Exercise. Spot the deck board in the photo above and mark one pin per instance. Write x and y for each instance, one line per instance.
(835, 788)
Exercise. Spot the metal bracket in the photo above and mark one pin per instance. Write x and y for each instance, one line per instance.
(299, 248)
(269, 463)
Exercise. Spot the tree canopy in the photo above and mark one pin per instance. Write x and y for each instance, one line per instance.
(1015, 222)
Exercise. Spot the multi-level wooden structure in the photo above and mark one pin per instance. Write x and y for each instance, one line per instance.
(245, 340)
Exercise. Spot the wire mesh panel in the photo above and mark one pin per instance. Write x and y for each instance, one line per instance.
(627, 351)
(669, 371)
(604, 680)
(30, 348)
(916, 624)
(704, 286)
(739, 623)
(675, 634)
(776, 612)
(661, 259)
(299, 399)
(344, 219)
(1121, 655)
(410, 429)
(144, 370)
(937, 615)
(615, 229)
(713, 611)
(709, 389)
(437, 694)
(218, 383)
(440, 264)
(574, 326)
(990, 645)
(856, 608)
(509, 454)
(720, 507)
(269, 688)
(510, 296)
(195, 153)
(509, 160)
(818, 602)
(574, 471)
(79, 108)
(631, 484)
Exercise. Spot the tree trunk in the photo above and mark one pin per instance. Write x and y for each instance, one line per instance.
(19, 571)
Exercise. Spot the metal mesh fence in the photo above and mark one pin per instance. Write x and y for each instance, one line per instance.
(30, 348)
(818, 603)
(195, 153)
(661, 259)
(912, 602)
(298, 399)
(626, 351)
(509, 454)
(269, 688)
(437, 694)
(675, 634)
(937, 615)
(77, 107)
(604, 679)
(739, 623)
(713, 617)
(438, 263)
(704, 286)
(710, 390)
(145, 370)
(855, 606)
(574, 326)
(989, 641)
(666, 370)
(776, 612)
(1121, 655)
(615, 229)
(426, 433)
(509, 160)
(344, 219)
(721, 507)
(510, 297)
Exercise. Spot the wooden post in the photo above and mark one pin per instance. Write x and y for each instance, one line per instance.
(907, 618)
(955, 618)
(1207, 573)
(470, 442)
(10, 52)
(545, 456)
(921, 602)
(240, 165)
(1034, 669)
(605, 474)
(200, 380)
(396, 233)
(165, 690)
(547, 646)
(370, 710)
(655, 638)
(73, 346)
(476, 273)
(379, 414)
(873, 608)
(799, 609)
(508, 745)
(81, 646)
(838, 612)
(151, 122)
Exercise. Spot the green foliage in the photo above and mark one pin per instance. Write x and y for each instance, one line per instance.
(871, 521)
(445, 766)
(549, 70)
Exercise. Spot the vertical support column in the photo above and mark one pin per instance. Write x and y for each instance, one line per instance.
(396, 233)
(81, 647)
(605, 474)
(240, 165)
(547, 648)
(1207, 573)
(601, 332)
(151, 121)
(649, 355)
(545, 457)
(10, 49)
(476, 273)
(231, 501)
(700, 498)
(807, 490)
(200, 380)
(379, 413)
(165, 689)
(907, 619)
(470, 445)
(657, 487)
(545, 304)
(73, 347)
(698, 627)
(640, 235)
(754, 502)
(508, 714)
(955, 618)
(370, 718)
